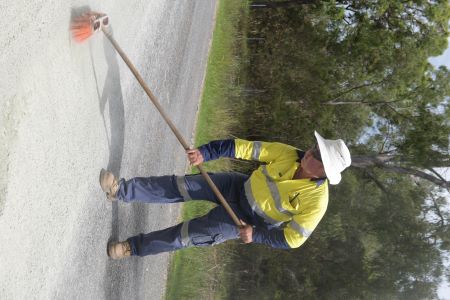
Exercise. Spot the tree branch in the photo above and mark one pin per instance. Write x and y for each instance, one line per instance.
(355, 88)
(397, 112)
(370, 103)
(438, 212)
(436, 173)
(381, 161)
(377, 182)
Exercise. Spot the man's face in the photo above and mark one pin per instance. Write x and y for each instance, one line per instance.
(312, 164)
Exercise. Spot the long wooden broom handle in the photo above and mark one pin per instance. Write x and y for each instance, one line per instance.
(171, 125)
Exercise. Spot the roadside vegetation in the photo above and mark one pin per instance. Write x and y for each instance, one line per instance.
(198, 273)
(353, 70)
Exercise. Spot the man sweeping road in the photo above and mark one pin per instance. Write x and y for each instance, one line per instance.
(280, 203)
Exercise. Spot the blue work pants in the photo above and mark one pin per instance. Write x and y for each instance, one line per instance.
(213, 228)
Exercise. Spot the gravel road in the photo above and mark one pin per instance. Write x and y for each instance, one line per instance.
(69, 110)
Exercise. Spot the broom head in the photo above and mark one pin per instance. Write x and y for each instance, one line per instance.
(85, 25)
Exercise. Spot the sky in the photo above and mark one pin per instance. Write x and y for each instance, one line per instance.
(444, 59)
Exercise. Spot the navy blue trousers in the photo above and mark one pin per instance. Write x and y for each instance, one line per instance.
(213, 228)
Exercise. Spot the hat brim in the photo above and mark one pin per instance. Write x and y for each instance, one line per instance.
(333, 176)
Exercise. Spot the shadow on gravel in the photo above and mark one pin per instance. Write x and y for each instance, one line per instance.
(112, 95)
(121, 277)
(110, 102)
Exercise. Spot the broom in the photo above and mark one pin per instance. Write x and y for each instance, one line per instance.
(82, 28)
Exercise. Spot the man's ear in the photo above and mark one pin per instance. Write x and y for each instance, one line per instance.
(324, 175)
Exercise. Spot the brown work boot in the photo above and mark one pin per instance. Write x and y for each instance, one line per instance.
(109, 184)
(118, 250)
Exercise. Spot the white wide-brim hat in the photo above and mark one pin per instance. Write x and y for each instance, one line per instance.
(335, 157)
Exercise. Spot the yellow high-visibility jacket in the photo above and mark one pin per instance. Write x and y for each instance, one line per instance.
(276, 197)
(297, 205)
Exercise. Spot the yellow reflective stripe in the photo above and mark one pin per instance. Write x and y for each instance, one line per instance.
(255, 207)
(300, 229)
(185, 240)
(256, 151)
(275, 193)
(181, 184)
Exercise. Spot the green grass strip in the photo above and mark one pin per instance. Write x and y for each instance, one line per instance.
(195, 273)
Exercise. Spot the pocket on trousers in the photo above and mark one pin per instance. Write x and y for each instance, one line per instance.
(206, 240)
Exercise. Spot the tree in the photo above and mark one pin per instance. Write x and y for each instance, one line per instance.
(367, 54)
(355, 70)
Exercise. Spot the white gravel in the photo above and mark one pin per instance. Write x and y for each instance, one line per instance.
(69, 110)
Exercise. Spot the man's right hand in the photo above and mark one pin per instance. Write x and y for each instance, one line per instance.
(195, 157)
(246, 232)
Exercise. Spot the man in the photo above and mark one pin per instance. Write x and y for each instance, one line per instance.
(280, 203)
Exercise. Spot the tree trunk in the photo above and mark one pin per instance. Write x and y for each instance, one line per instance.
(384, 161)
(280, 4)
(364, 161)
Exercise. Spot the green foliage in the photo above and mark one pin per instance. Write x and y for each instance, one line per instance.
(358, 56)
(341, 67)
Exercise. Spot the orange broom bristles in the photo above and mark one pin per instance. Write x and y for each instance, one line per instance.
(82, 27)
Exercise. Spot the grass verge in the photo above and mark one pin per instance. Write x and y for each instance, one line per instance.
(197, 273)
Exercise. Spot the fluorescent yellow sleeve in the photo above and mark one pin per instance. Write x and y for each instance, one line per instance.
(293, 238)
(262, 151)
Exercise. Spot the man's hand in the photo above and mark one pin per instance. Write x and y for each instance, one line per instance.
(246, 232)
(195, 156)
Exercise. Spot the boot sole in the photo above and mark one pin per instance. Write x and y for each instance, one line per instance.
(107, 249)
(102, 173)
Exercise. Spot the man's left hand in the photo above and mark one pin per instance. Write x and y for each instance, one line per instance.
(195, 156)
(246, 232)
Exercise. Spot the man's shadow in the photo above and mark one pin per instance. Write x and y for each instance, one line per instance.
(111, 100)
(112, 96)
(111, 105)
